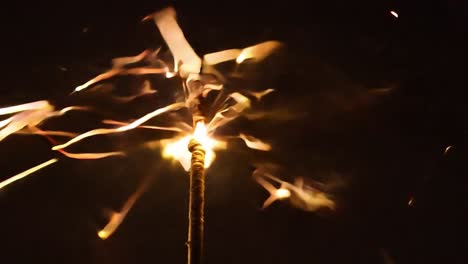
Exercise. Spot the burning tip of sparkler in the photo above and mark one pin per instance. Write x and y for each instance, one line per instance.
(176, 148)
(394, 13)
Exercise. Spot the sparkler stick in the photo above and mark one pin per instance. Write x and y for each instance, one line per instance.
(195, 151)
(196, 203)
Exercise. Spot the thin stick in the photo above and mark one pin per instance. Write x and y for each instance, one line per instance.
(196, 203)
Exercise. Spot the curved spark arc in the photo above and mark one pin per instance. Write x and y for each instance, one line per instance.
(136, 123)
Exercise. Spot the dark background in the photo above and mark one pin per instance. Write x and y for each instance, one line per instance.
(380, 99)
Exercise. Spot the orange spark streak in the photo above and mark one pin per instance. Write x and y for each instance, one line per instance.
(300, 196)
(136, 123)
(123, 61)
(145, 90)
(31, 115)
(89, 156)
(84, 156)
(25, 173)
(261, 94)
(226, 115)
(174, 37)
(117, 217)
(47, 132)
(255, 143)
(259, 51)
(114, 122)
(114, 72)
(23, 107)
(275, 194)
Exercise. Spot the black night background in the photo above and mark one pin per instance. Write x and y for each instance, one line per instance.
(375, 101)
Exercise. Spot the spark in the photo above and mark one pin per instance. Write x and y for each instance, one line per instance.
(261, 94)
(394, 13)
(301, 196)
(113, 122)
(116, 218)
(90, 156)
(136, 123)
(411, 201)
(259, 51)
(26, 173)
(196, 84)
(447, 149)
(275, 193)
(114, 72)
(29, 115)
(183, 53)
(24, 107)
(228, 114)
(255, 143)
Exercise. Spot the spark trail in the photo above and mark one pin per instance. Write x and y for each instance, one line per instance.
(198, 78)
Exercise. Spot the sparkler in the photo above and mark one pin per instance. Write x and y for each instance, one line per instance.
(195, 142)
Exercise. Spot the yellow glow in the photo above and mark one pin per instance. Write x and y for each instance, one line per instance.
(103, 234)
(241, 58)
(282, 193)
(177, 148)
